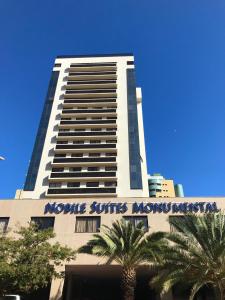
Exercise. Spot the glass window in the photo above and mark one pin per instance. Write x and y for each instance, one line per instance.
(41, 134)
(78, 142)
(93, 169)
(133, 134)
(87, 224)
(111, 141)
(110, 154)
(60, 155)
(55, 184)
(76, 169)
(92, 184)
(94, 154)
(3, 224)
(110, 183)
(62, 142)
(95, 142)
(77, 155)
(136, 220)
(73, 184)
(43, 222)
(111, 168)
(57, 169)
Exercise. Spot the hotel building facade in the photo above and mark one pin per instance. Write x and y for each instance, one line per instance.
(88, 168)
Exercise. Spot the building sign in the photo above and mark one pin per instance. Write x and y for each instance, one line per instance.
(136, 207)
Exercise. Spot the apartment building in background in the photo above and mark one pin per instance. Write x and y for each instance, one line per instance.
(90, 141)
(160, 187)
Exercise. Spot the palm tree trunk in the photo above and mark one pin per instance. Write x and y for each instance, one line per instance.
(221, 292)
(128, 283)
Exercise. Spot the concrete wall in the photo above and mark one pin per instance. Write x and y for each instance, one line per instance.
(21, 211)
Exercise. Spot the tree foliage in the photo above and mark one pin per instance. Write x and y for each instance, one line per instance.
(129, 246)
(195, 255)
(30, 261)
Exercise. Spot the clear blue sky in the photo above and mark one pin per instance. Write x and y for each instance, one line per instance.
(179, 49)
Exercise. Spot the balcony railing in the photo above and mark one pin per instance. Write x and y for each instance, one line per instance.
(84, 100)
(84, 159)
(61, 191)
(95, 81)
(87, 133)
(85, 111)
(81, 174)
(85, 122)
(85, 146)
(105, 64)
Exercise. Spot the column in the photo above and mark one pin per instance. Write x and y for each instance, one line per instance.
(56, 289)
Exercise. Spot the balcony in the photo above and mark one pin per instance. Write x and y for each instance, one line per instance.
(84, 161)
(95, 81)
(89, 112)
(77, 192)
(78, 86)
(91, 76)
(88, 124)
(90, 94)
(93, 64)
(88, 135)
(91, 68)
(111, 102)
(81, 176)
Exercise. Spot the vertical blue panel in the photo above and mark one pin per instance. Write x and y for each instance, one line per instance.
(133, 135)
(41, 134)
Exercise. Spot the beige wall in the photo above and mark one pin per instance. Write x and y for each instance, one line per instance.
(20, 212)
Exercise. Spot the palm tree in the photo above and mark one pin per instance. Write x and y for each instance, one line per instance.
(129, 246)
(195, 255)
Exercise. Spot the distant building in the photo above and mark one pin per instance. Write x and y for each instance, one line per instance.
(159, 187)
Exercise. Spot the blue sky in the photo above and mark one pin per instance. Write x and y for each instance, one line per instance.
(179, 49)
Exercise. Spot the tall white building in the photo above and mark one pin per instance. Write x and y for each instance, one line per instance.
(90, 141)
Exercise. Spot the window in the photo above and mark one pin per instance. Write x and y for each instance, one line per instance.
(94, 154)
(111, 118)
(63, 130)
(110, 154)
(110, 129)
(3, 224)
(57, 169)
(111, 141)
(96, 129)
(78, 142)
(77, 155)
(111, 168)
(73, 184)
(79, 129)
(65, 119)
(43, 222)
(136, 220)
(55, 184)
(93, 169)
(129, 62)
(62, 142)
(60, 155)
(92, 184)
(95, 142)
(87, 224)
(111, 183)
(76, 169)
(80, 118)
(57, 65)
